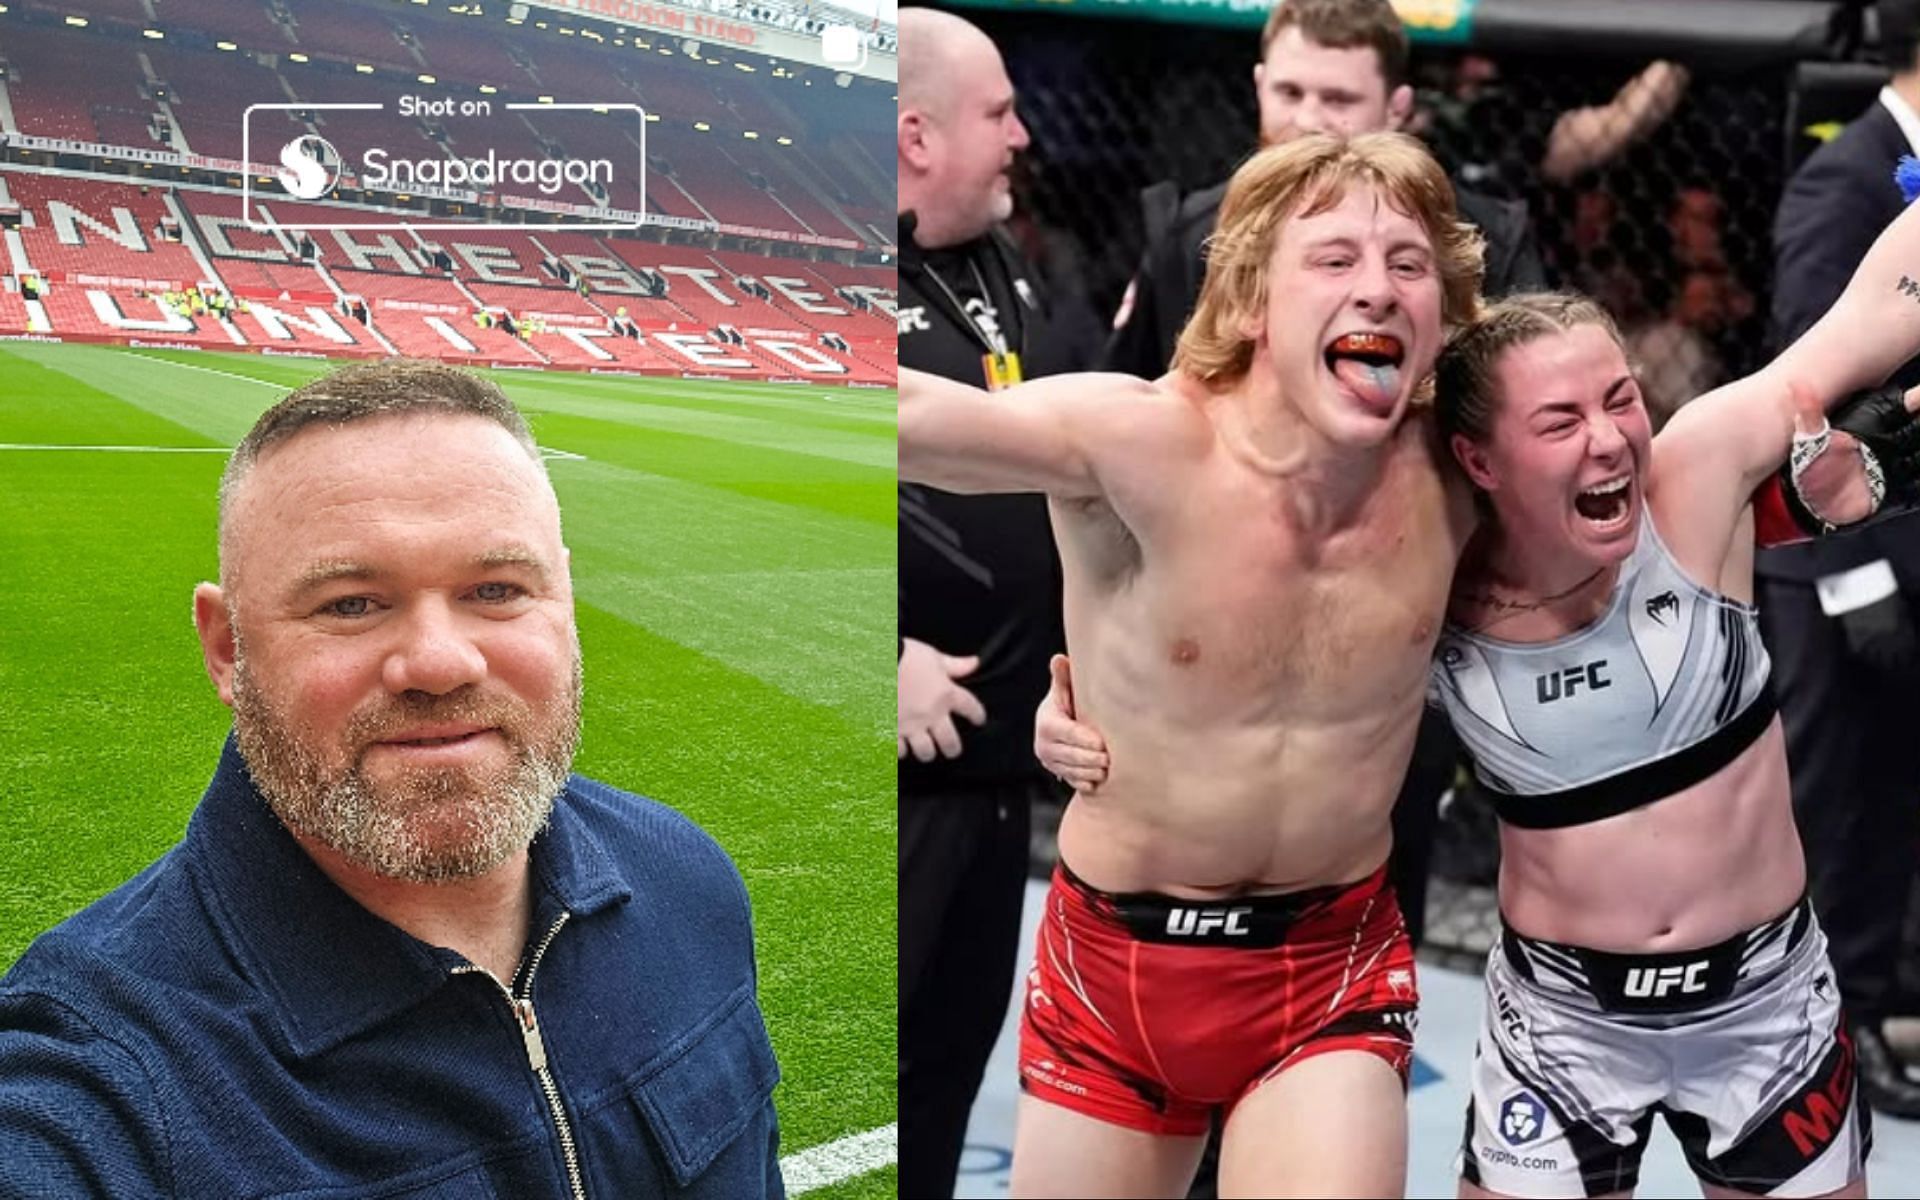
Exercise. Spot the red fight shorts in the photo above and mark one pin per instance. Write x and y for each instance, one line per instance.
(1149, 1011)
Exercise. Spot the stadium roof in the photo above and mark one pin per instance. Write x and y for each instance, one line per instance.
(887, 10)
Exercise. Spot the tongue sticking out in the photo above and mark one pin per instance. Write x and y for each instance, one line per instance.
(1376, 384)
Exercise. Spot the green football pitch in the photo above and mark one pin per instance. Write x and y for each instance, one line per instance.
(733, 561)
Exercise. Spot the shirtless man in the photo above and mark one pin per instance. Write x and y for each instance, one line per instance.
(1257, 550)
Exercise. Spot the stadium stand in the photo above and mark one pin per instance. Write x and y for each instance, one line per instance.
(457, 52)
(128, 10)
(293, 282)
(207, 90)
(13, 310)
(123, 126)
(120, 313)
(291, 325)
(98, 228)
(699, 164)
(244, 21)
(350, 33)
(787, 218)
(57, 76)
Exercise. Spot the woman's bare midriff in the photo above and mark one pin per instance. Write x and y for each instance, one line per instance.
(1686, 871)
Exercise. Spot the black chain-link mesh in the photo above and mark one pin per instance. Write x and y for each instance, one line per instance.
(1673, 235)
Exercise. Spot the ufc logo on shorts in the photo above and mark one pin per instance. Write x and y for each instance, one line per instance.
(1510, 1018)
(1198, 922)
(1652, 983)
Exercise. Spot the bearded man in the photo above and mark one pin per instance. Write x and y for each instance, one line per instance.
(401, 949)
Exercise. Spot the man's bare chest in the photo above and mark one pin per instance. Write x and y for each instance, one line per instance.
(1248, 606)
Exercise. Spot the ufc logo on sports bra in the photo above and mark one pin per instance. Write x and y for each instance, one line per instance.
(1654, 982)
(1568, 680)
(1199, 922)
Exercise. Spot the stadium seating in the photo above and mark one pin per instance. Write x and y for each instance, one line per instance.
(119, 313)
(296, 325)
(700, 165)
(351, 33)
(455, 51)
(117, 126)
(90, 84)
(873, 322)
(244, 21)
(411, 312)
(208, 90)
(295, 282)
(132, 11)
(130, 251)
(58, 76)
(561, 309)
(571, 69)
(13, 311)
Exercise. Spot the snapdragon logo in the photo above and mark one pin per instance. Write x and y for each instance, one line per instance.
(445, 162)
(309, 167)
(548, 175)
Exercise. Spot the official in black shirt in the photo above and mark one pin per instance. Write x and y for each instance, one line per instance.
(979, 594)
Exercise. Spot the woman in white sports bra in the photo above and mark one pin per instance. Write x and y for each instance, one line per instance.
(1602, 662)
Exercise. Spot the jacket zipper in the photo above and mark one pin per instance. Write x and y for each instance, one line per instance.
(523, 1014)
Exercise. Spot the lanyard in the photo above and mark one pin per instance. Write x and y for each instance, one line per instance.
(984, 327)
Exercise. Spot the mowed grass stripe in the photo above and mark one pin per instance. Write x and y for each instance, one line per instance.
(880, 1185)
(110, 724)
(804, 803)
(865, 403)
(751, 516)
(834, 406)
(801, 600)
(869, 446)
(679, 397)
(42, 404)
(216, 408)
(222, 409)
(279, 370)
(833, 488)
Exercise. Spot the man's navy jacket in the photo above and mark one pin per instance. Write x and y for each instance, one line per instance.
(230, 1023)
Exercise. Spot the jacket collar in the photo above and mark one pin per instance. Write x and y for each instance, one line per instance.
(913, 256)
(1904, 118)
(327, 968)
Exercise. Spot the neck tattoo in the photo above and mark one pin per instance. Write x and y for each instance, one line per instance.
(1504, 608)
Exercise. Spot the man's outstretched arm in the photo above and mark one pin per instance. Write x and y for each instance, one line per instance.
(1042, 436)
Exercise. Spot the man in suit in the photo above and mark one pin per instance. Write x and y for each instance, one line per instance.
(1326, 66)
(1838, 613)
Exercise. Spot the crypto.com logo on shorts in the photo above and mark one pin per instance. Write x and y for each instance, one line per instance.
(586, 160)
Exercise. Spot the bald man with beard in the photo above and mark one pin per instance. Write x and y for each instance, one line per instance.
(401, 949)
(979, 593)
